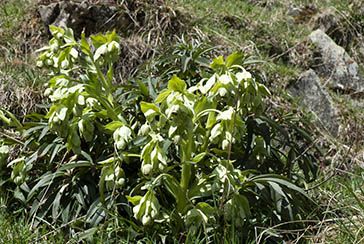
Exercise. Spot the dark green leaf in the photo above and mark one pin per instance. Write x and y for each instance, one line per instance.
(143, 88)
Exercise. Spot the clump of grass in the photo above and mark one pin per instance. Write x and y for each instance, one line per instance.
(344, 203)
(15, 228)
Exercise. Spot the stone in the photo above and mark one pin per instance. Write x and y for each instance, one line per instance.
(333, 64)
(81, 15)
(49, 13)
(302, 14)
(327, 21)
(313, 95)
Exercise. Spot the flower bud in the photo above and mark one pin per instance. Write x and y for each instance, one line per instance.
(147, 169)
(225, 144)
(146, 220)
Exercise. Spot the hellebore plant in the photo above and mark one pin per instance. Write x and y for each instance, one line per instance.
(181, 161)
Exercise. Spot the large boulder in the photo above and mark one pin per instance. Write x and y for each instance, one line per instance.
(332, 62)
(82, 15)
(312, 95)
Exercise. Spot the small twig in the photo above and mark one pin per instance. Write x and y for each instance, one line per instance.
(334, 170)
(57, 229)
(308, 148)
(287, 51)
(12, 138)
(286, 231)
(328, 205)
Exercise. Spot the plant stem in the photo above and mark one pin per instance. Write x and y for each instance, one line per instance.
(186, 166)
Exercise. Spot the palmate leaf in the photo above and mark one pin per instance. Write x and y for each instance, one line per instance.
(218, 63)
(57, 149)
(203, 188)
(75, 165)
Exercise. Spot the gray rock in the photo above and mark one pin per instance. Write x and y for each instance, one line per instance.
(49, 13)
(313, 96)
(81, 15)
(334, 64)
(327, 21)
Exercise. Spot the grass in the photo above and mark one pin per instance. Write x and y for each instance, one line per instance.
(15, 229)
(260, 28)
(343, 197)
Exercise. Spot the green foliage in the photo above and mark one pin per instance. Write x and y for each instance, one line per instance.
(192, 157)
(189, 59)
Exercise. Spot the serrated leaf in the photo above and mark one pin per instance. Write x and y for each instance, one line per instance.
(56, 149)
(277, 188)
(145, 107)
(68, 36)
(234, 59)
(162, 96)
(114, 125)
(46, 149)
(87, 156)
(13, 121)
(264, 179)
(217, 63)
(99, 40)
(264, 90)
(43, 133)
(56, 203)
(45, 179)
(176, 84)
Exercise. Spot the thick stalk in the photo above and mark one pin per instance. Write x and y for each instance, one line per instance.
(109, 101)
(187, 166)
(105, 84)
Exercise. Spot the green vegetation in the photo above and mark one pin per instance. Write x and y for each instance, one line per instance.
(201, 144)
